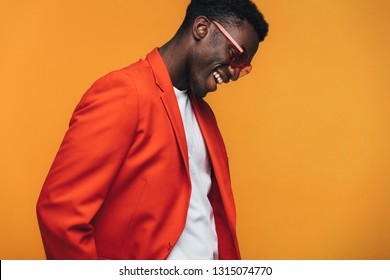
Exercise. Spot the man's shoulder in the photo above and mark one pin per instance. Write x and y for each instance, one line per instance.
(137, 71)
(133, 74)
(146, 67)
(135, 67)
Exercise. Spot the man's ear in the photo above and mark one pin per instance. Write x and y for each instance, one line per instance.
(201, 27)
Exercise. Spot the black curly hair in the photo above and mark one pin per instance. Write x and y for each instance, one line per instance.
(227, 12)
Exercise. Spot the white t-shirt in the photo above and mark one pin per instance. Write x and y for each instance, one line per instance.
(198, 240)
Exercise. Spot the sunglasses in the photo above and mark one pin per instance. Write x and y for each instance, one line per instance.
(241, 60)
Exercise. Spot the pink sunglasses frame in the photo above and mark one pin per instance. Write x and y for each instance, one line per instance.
(244, 67)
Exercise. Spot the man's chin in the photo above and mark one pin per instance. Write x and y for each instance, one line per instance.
(200, 91)
(200, 95)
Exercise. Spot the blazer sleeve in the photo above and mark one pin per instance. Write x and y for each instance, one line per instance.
(100, 133)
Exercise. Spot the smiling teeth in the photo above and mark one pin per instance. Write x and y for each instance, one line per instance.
(218, 77)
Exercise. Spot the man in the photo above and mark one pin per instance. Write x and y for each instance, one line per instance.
(142, 172)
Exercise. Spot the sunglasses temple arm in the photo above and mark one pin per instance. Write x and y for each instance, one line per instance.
(227, 35)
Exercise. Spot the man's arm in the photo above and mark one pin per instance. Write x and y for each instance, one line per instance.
(100, 133)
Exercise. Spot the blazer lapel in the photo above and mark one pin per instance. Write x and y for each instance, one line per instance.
(169, 101)
(218, 157)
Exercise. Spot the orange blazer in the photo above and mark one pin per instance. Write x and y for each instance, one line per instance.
(119, 187)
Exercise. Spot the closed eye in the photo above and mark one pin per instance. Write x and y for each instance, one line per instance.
(232, 54)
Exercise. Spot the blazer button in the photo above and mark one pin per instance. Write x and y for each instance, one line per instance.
(169, 247)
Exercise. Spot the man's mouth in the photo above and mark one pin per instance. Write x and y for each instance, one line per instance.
(217, 77)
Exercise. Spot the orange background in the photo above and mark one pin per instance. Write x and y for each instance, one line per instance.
(307, 131)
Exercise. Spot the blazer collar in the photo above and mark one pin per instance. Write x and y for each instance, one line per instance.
(160, 71)
(218, 158)
(168, 98)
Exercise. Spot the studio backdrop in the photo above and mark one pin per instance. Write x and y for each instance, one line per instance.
(307, 132)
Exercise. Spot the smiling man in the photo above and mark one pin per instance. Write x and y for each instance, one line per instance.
(142, 172)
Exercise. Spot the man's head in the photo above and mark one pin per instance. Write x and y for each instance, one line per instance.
(215, 44)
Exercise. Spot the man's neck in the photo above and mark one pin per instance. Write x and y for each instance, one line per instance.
(174, 55)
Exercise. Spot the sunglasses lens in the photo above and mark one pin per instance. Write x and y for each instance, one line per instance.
(241, 61)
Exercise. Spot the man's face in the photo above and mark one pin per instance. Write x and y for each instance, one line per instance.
(209, 65)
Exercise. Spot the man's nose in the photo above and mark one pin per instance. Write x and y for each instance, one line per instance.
(234, 73)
